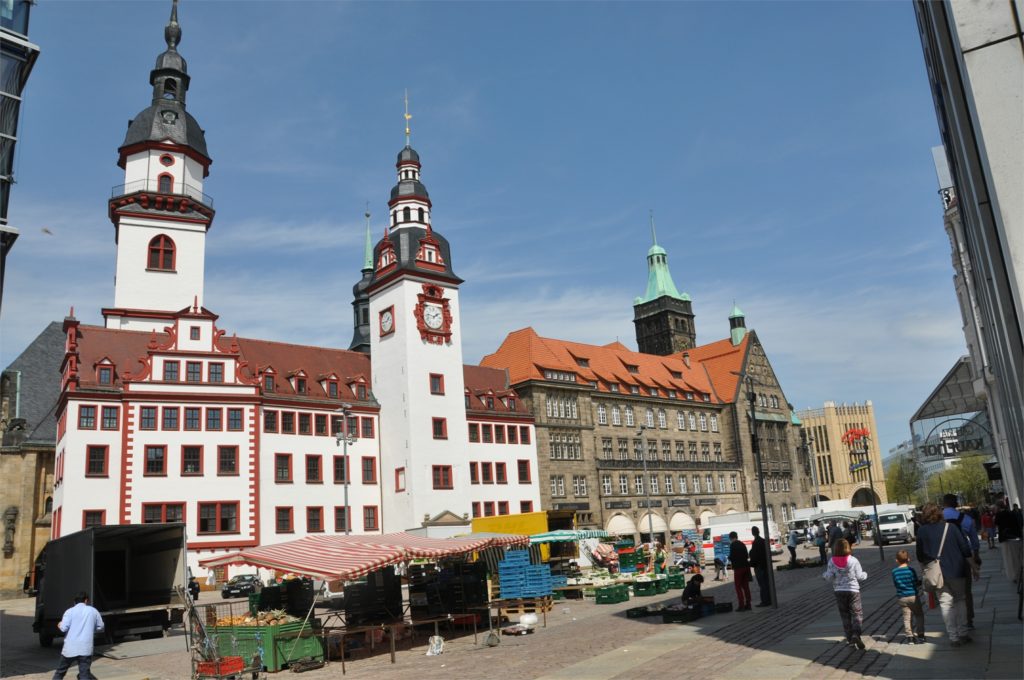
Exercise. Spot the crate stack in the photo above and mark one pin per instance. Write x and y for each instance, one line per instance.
(518, 578)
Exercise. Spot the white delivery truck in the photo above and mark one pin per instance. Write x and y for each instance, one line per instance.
(740, 522)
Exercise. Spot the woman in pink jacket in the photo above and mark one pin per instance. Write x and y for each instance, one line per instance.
(845, 573)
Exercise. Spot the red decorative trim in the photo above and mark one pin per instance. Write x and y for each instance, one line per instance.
(144, 372)
(362, 470)
(254, 473)
(144, 202)
(412, 198)
(399, 479)
(138, 313)
(130, 149)
(430, 379)
(320, 511)
(384, 278)
(127, 423)
(291, 471)
(433, 295)
(166, 160)
(215, 545)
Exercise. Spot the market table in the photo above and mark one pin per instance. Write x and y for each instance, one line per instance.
(343, 631)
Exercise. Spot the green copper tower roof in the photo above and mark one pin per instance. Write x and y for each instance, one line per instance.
(659, 278)
(736, 312)
(368, 248)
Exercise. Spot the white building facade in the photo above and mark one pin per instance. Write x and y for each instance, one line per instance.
(165, 418)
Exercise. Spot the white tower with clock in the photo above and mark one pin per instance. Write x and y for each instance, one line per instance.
(416, 359)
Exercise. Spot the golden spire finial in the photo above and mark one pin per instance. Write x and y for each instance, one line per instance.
(408, 117)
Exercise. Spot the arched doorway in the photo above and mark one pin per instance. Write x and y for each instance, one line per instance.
(681, 522)
(649, 520)
(864, 496)
(704, 518)
(620, 525)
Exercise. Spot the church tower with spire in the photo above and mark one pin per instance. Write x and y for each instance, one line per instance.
(160, 213)
(361, 299)
(663, 316)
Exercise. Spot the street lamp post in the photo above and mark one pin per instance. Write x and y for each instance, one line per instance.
(850, 438)
(756, 450)
(343, 439)
(807, 440)
(647, 480)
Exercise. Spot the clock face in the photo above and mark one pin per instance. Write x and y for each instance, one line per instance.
(387, 321)
(432, 316)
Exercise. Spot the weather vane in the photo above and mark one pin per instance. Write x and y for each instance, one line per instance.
(408, 117)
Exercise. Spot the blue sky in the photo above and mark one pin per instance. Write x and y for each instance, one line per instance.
(784, 149)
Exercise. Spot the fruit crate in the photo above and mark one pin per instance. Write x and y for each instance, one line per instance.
(661, 586)
(676, 581)
(611, 595)
(645, 588)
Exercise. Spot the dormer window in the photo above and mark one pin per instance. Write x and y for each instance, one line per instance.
(582, 363)
(634, 389)
(332, 389)
(387, 257)
(490, 403)
(105, 375)
(511, 403)
(632, 368)
(613, 387)
(300, 385)
(677, 375)
(268, 383)
(361, 392)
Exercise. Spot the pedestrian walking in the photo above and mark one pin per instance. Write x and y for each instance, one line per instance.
(820, 541)
(79, 625)
(936, 542)
(792, 543)
(1009, 526)
(908, 594)
(834, 534)
(845, 573)
(761, 561)
(988, 527)
(740, 560)
(966, 523)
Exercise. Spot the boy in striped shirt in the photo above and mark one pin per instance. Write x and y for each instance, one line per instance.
(908, 585)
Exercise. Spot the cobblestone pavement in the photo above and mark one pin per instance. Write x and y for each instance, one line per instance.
(585, 641)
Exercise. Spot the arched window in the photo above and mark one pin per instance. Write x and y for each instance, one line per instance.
(165, 183)
(170, 88)
(394, 218)
(407, 214)
(421, 215)
(161, 253)
(49, 505)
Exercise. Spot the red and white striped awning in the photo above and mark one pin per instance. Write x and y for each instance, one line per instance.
(349, 557)
(327, 557)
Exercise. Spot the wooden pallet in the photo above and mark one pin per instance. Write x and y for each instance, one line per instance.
(533, 605)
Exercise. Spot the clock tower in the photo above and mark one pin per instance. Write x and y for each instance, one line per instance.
(416, 360)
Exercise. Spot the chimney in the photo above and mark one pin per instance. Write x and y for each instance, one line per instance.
(686, 359)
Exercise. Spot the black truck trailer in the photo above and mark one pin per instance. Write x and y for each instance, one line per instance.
(135, 575)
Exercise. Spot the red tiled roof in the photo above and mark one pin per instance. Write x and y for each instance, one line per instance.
(482, 381)
(125, 348)
(526, 355)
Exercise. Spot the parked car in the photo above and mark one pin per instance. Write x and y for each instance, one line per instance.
(240, 586)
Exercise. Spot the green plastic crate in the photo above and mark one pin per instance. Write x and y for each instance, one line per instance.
(661, 586)
(645, 588)
(676, 581)
(611, 595)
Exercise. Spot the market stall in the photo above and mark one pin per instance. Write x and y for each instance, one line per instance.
(445, 582)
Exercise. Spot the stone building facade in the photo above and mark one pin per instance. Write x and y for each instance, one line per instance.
(824, 428)
(622, 435)
(29, 389)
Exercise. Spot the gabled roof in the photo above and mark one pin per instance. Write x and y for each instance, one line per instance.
(35, 384)
(526, 356)
(481, 381)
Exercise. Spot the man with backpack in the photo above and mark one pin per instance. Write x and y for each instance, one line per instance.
(973, 563)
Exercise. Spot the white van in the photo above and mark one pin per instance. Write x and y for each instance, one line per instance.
(896, 525)
(740, 522)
